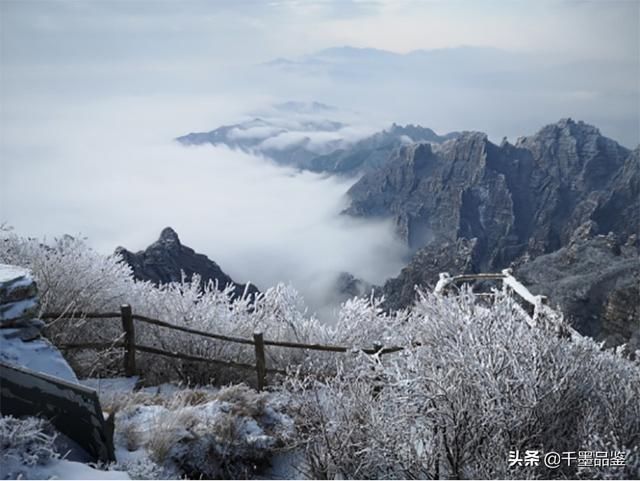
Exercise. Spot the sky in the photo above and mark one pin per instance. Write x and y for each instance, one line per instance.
(92, 94)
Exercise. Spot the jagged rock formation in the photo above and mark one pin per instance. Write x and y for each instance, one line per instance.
(167, 259)
(596, 282)
(457, 257)
(562, 206)
(18, 297)
(338, 156)
(259, 136)
(514, 199)
(374, 151)
(347, 286)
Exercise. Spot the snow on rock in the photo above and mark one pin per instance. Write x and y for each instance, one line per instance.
(18, 294)
(20, 340)
(37, 355)
(13, 311)
(13, 277)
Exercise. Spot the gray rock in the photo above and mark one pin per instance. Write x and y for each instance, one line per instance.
(455, 257)
(18, 310)
(348, 286)
(374, 151)
(562, 207)
(18, 295)
(167, 259)
(514, 199)
(16, 284)
(596, 284)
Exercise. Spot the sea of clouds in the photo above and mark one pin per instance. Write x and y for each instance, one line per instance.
(120, 178)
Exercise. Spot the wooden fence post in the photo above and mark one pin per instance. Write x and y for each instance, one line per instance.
(129, 340)
(261, 365)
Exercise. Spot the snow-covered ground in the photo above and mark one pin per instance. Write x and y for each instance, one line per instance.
(56, 469)
(166, 432)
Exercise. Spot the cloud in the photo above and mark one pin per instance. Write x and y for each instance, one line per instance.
(117, 182)
(259, 132)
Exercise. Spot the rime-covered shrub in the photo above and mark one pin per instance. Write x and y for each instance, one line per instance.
(72, 278)
(473, 382)
(25, 442)
(478, 383)
(229, 434)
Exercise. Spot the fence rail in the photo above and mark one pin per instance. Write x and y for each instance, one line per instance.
(536, 305)
(130, 345)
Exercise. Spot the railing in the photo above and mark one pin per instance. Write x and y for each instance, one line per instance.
(131, 346)
(536, 305)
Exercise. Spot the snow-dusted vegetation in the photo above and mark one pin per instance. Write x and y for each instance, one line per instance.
(28, 451)
(73, 278)
(231, 433)
(473, 382)
(481, 383)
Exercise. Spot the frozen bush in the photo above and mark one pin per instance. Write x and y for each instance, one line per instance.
(229, 434)
(25, 442)
(478, 383)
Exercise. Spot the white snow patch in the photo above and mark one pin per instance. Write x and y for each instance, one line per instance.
(56, 469)
(38, 355)
(9, 273)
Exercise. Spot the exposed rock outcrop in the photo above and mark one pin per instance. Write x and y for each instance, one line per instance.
(374, 151)
(514, 199)
(562, 206)
(20, 331)
(167, 259)
(348, 286)
(457, 257)
(18, 297)
(596, 283)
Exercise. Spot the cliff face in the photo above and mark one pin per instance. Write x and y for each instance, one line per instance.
(459, 257)
(563, 205)
(514, 199)
(166, 259)
(595, 280)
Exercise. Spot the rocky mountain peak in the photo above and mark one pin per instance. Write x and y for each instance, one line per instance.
(169, 238)
(166, 260)
(569, 135)
(515, 199)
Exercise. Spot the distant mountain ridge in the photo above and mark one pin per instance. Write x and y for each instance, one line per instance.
(374, 151)
(296, 145)
(461, 203)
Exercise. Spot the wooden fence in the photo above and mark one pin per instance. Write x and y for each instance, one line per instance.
(536, 305)
(131, 345)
